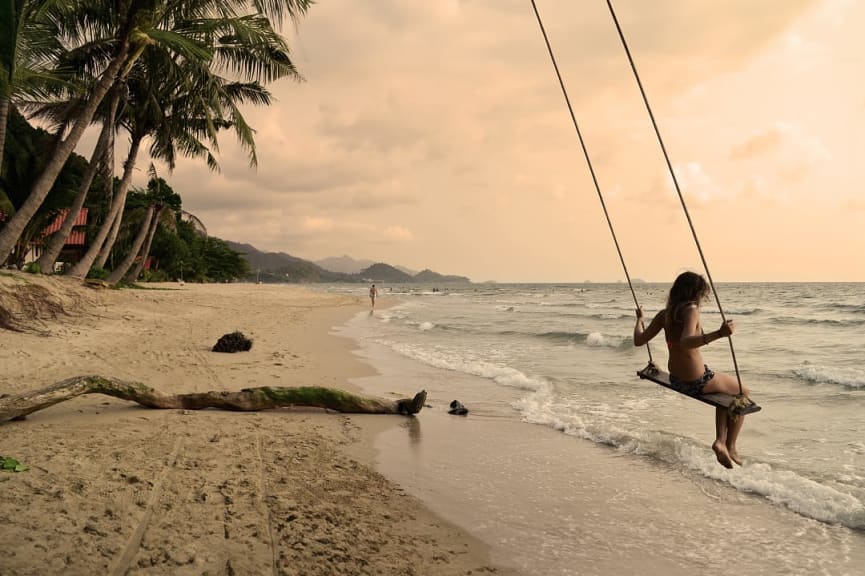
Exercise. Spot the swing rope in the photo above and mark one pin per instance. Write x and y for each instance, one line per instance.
(669, 168)
(676, 184)
(588, 162)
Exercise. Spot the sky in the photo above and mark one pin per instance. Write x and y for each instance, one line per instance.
(433, 134)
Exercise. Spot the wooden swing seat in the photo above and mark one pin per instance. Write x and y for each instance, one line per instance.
(658, 376)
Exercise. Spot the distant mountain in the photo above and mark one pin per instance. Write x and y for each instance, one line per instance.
(348, 265)
(344, 264)
(381, 272)
(429, 277)
(281, 267)
(273, 267)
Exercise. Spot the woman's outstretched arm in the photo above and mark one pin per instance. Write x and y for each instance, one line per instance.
(643, 335)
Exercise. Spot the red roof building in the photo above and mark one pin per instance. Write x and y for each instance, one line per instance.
(73, 248)
(76, 237)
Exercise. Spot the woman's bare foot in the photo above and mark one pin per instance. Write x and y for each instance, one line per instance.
(734, 455)
(721, 454)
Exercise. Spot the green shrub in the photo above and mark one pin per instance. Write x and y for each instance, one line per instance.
(155, 276)
(98, 273)
(33, 268)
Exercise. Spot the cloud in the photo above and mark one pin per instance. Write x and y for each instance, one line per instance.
(854, 204)
(728, 30)
(314, 224)
(698, 187)
(701, 186)
(759, 144)
(782, 138)
(398, 234)
(785, 149)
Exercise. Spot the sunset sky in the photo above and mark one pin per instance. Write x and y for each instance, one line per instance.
(433, 134)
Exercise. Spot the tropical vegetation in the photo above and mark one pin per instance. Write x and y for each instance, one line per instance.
(169, 75)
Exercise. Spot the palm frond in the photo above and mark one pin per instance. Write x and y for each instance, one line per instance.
(197, 225)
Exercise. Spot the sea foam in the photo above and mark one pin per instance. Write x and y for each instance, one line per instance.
(596, 422)
(853, 378)
(448, 360)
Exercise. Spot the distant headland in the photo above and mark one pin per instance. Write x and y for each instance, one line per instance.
(279, 267)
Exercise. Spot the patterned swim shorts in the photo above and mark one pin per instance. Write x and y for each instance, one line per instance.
(692, 387)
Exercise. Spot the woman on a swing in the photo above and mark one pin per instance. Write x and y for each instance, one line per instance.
(688, 373)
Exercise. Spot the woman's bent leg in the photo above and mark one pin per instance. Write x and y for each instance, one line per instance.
(733, 428)
(724, 383)
(726, 429)
(719, 446)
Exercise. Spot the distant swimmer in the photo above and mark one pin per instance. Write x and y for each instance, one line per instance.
(373, 293)
(681, 323)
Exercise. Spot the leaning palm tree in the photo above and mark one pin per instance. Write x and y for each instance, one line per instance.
(29, 50)
(177, 117)
(149, 87)
(98, 158)
(144, 252)
(119, 272)
(131, 26)
(79, 24)
(185, 110)
(106, 233)
(182, 104)
(158, 196)
(161, 197)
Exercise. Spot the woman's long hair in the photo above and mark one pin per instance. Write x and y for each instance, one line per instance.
(688, 287)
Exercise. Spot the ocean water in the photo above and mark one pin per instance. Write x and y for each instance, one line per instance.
(551, 369)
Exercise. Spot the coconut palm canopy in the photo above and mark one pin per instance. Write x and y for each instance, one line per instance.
(174, 74)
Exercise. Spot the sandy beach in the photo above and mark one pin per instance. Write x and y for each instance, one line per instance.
(114, 488)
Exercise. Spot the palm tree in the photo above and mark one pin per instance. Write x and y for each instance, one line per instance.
(161, 196)
(120, 271)
(133, 26)
(144, 252)
(55, 245)
(28, 51)
(188, 104)
(112, 220)
(26, 148)
(68, 26)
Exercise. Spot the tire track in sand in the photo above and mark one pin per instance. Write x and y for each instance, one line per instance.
(124, 561)
(262, 503)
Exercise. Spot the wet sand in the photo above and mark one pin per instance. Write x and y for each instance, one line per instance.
(547, 502)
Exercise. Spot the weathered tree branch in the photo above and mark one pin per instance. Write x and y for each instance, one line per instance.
(17, 406)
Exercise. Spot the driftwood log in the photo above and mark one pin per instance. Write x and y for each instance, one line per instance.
(17, 406)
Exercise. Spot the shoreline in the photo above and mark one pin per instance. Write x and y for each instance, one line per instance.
(548, 500)
(115, 488)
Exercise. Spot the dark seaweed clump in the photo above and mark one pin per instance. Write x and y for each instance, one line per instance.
(458, 409)
(234, 342)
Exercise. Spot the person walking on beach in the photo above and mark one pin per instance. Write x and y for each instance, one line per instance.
(373, 293)
(684, 334)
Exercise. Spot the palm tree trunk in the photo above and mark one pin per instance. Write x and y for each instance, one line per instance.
(5, 107)
(106, 139)
(81, 269)
(15, 226)
(145, 250)
(55, 245)
(118, 273)
(108, 245)
(105, 248)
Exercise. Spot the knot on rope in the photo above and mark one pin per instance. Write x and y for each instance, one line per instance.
(651, 369)
(740, 405)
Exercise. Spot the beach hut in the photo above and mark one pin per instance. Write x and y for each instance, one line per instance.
(75, 243)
